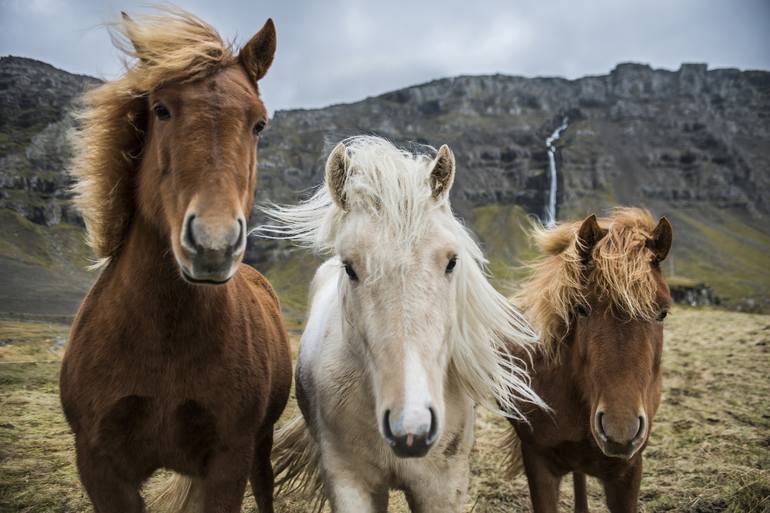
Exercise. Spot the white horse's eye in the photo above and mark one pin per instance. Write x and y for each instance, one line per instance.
(350, 272)
(450, 266)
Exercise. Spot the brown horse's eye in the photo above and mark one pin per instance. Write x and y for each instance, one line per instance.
(350, 272)
(581, 310)
(259, 126)
(161, 112)
(450, 266)
(662, 315)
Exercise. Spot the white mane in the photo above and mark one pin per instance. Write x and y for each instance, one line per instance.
(393, 185)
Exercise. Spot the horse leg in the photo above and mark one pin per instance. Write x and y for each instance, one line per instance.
(262, 474)
(225, 479)
(623, 492)
(109, 492)
(423, 500)
(543, 483)
(348, 495)
(581, 496)
(441, 486)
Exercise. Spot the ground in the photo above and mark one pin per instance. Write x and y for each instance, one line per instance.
(709, 451)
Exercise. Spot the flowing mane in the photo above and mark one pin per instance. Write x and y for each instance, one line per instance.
(171, 46)
(392, 184)
(619, 273)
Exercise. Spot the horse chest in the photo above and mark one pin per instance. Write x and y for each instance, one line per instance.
(167, 405)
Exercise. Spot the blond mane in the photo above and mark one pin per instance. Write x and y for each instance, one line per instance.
(619, 273)
(393, 185)
(170, 46)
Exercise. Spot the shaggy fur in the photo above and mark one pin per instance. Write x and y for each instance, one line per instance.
(173, 46)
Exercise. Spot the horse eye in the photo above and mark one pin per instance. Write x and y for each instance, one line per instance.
(259, 126)
(581, 310)
(161, 112)
(662, 315)
(350, 272)
(450, 266)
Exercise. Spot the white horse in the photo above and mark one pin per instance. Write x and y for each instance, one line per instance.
(404, 335)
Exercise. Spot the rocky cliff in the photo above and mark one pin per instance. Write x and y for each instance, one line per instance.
(692, 144)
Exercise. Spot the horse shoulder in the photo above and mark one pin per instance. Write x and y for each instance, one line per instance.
(260, 284)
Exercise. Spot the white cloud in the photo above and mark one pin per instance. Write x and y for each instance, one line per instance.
(344, 50)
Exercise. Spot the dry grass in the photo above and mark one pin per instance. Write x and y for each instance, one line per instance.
(709, 452)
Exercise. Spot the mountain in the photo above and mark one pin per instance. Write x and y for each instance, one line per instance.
(691, 144)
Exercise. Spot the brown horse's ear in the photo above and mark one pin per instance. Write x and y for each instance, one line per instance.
(129, 28)
(337, 174)
(257, 55)
(443, 173)
(588, 235)
(660, 240)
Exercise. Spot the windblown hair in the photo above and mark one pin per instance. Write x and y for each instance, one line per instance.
(171, 46)
(618, 273)
(393, 186)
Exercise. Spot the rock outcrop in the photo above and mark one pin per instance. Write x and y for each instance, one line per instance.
(693, 144)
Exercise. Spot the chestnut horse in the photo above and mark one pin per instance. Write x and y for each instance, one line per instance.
(598, 299)
(177, 358)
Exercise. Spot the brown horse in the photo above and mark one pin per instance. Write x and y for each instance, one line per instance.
(177, 357)
(598, 298)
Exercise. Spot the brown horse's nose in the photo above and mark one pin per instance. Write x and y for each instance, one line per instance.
(199, 236)
(213, 246)
(620, 437)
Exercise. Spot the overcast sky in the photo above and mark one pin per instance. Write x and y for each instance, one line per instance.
(332, 51)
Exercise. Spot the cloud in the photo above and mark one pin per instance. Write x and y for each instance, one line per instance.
(344, 50)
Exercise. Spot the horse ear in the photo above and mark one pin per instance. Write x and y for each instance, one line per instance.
(129, 28)
(443, 173)
(660, 240)
(257, 55)
(337, 174)
(588, 235)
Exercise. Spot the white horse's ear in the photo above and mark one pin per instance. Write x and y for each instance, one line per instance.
(443, 173)
(337, 174)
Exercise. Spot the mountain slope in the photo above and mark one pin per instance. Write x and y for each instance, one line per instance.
(692, 144)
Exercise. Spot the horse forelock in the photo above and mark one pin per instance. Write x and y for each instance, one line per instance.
(619, 273)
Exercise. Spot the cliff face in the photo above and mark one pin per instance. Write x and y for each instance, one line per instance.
(35, 99)
(641, 134)
(693, 144)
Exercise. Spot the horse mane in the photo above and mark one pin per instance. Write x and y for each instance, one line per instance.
(619, 273)
(169, 46)
(393, 185)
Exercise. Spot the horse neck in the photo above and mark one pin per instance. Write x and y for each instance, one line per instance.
(147, 278)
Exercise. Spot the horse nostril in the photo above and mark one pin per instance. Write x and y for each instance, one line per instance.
(386, 429)
(600, 424)
(239, 240)
(433, 431)
(640, 432)
(189, 237)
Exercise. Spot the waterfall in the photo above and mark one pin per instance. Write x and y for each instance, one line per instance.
(550, 207)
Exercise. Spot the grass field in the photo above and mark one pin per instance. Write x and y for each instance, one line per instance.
(709, 451)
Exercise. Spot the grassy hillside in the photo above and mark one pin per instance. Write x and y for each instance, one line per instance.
(708, 452)
(42, 268)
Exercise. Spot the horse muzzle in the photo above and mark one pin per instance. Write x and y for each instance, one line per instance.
(410, 441)
(619, 438)
(214, 250)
